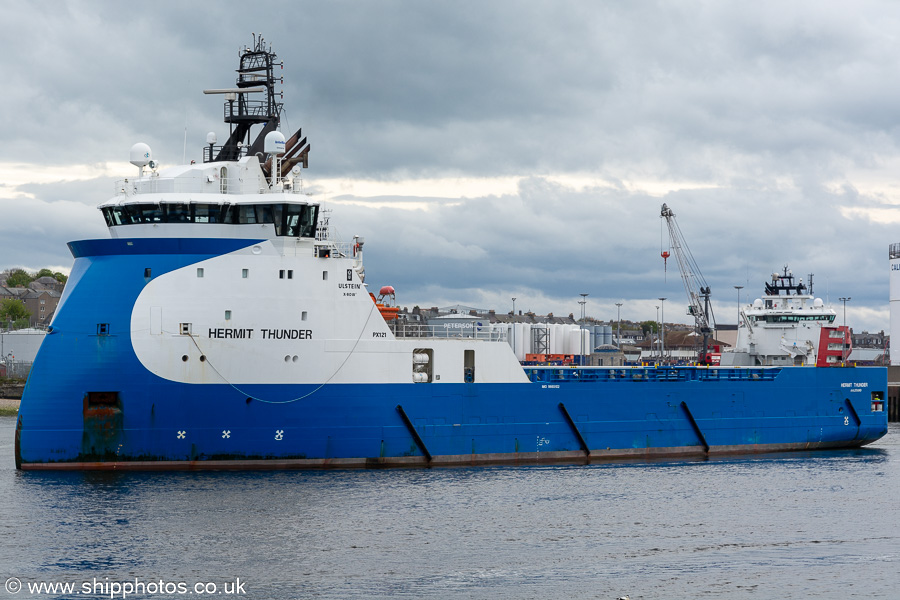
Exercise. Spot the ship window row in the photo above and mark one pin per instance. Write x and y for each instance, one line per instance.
(792, 318)
(245, 273)
(292, 220)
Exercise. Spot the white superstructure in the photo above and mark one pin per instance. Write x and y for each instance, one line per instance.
(894, 257)
(785, 327)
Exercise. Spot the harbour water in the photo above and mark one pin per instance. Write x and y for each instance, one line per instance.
(798, 525)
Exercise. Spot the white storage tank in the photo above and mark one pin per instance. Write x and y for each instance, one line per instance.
(894, 255)
(520, 339)
(559, 339)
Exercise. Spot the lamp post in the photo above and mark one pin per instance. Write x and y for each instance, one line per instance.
(846, 334)
(514, 327)
(738, 288)
(582, 302)
(619, 325)
(844, 300)
(658, 349)
(662, 302)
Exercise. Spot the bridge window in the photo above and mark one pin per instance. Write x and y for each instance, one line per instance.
(264, 214)
(245, 214)
(146, 213)
(277, 218)
(209, 213)
(290, 220)
(300, 220)
(177, 213)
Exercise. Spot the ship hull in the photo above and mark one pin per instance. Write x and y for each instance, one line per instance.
(91, 402)
(163, 425)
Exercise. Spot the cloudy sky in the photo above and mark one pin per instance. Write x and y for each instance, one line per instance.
(491, 150)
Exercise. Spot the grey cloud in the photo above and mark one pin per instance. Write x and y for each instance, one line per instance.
(770, 103)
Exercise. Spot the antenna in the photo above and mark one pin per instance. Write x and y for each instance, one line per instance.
(184, 148)
(274, 146)
(141, 156)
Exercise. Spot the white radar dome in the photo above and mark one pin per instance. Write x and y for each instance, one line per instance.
(758, 303)
(211, 138)
(141, 155)
(274, 143)
(817, 303)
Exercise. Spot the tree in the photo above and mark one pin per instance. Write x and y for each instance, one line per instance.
(649, 326)
(12, 310)
(21, 277)
(17, 278)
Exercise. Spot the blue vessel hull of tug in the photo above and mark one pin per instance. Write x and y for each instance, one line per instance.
(91, 403)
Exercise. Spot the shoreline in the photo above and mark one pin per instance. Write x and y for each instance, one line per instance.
(9, 407)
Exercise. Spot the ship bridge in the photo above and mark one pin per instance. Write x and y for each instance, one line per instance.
(225, 199)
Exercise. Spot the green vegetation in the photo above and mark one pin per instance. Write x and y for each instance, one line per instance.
(17, 278)
(21, 277)
(48, 273)
(13, 310)
(649, 326)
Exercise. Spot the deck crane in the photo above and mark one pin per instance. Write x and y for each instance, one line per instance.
(697, 291)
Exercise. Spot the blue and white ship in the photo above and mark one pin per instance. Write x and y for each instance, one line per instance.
(220, 326)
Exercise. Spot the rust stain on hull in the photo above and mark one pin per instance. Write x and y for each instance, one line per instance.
(103, 426)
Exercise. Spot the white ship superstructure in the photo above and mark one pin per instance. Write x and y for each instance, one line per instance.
(788, 326)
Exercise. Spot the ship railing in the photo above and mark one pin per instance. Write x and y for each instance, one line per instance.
(556, 374)
(211, 152)
(252, 108)
(448, 331)
(168, 185)
(332, 249)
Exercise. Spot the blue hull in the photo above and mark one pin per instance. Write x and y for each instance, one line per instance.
(563, 415)
(161, 424)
